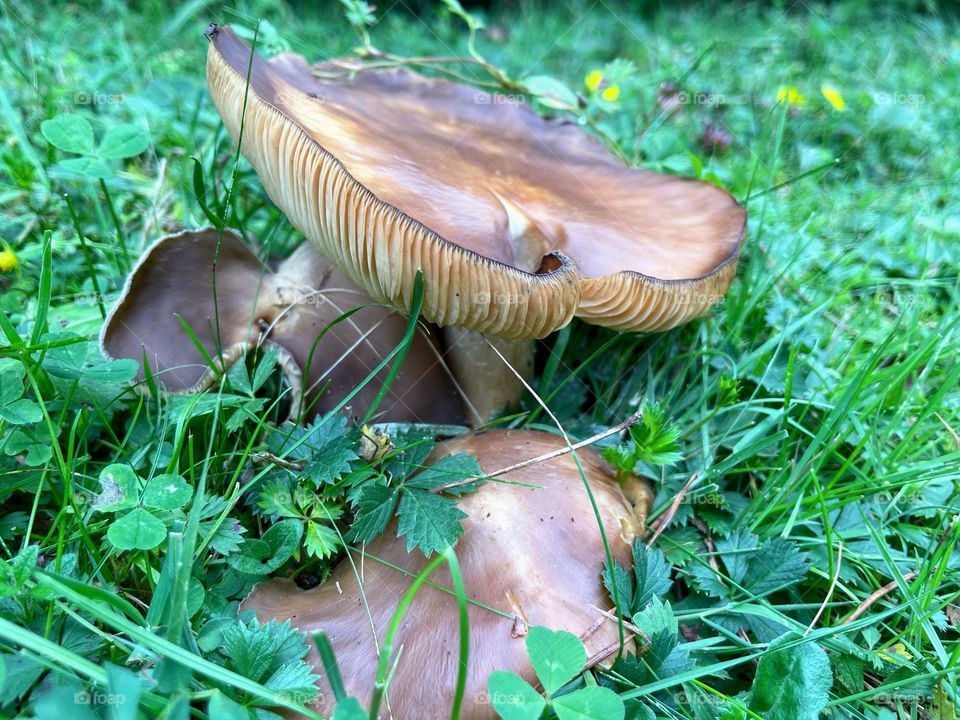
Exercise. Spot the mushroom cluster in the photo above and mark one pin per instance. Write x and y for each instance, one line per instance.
(517, 224)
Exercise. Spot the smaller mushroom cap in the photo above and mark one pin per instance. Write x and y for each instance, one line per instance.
(296, 308)
(533, 549)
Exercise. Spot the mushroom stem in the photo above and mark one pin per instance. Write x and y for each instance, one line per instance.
(487, 382)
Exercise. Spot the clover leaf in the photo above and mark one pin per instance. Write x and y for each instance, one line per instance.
(557, 658)
(73, 134)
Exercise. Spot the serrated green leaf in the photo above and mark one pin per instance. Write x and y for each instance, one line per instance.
(332, 459)
(123, 141)
(792, 682)
(373, 511)
(655, 438)
(167, 492)
(652, 573)
(137, 530)
(429, 521)
(263, 556)
(321, 540)
(556, 655)
(620, 576)
(736, 551)
(589, 703)
(265, 365)
(448, 469)
(70, 133)
(778, 563)
(660, 624)
(513, 698)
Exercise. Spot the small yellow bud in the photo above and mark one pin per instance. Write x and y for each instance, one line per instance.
(834, 97)
(8, 260)
(593, 80)
(611, 93)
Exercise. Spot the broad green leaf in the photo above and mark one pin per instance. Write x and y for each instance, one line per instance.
(123, 141)
(21, 412)
(221, 707)
(349, 709)
(551, 92)
(167, 492)
(429, 521)
(589, 703)
(137, 530)
(70, 133)
(88, 166)
(119, 488)
(11, 382)
(513, 698)
(556, 655)
(791, 683)
(124, 687)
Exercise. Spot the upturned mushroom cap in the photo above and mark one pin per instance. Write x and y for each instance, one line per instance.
(530, 550)
(295, 307)
(517, 222)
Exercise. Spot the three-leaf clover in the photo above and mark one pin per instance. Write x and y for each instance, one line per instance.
(74, 134)
(14, 408)
(137, 528)
(557, 658)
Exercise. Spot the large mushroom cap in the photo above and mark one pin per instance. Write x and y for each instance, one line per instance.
(298, 307)
(535, 550)
(517, 222)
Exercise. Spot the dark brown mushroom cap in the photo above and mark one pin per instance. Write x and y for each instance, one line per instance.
(291, 308)
(517, 222)
(541, 544)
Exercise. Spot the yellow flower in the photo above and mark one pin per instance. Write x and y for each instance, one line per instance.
(611, 93)
(834, 97)
(593, 80)
(8, 260)
(790, 95)
(896, 653)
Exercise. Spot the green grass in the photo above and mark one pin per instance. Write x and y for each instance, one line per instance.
(819, 404)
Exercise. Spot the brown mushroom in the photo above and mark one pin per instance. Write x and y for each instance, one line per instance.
(297, 308)
(531, 549)
(517, 222)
